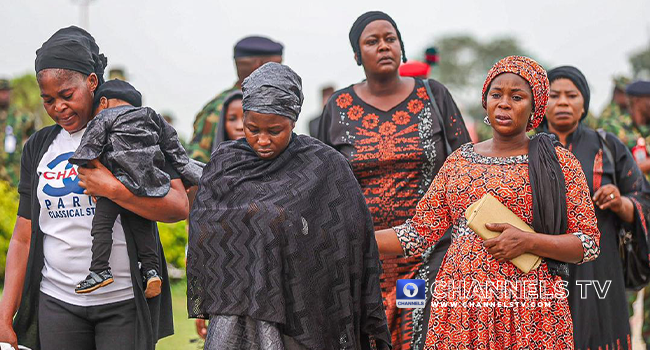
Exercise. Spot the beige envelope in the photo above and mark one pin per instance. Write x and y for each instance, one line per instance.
(490, 210)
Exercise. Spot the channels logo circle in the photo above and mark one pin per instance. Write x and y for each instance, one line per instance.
(410, 290)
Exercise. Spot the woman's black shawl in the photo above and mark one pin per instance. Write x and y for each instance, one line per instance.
(288, 241)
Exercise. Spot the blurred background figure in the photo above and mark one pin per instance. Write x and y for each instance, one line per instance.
(633, 128)
(250, 53)
(117, 73)
(618, 105)
(15, 129)
(326, 93)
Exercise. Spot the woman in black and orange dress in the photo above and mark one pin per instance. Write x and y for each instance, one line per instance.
(396, 132)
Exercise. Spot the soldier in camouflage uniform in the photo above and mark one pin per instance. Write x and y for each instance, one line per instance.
(618, 106)
(15, 129)
(635, 122)
(250, 54)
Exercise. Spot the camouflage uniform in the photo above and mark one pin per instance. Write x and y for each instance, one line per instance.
(205, 123)
(15, 129)
(624, 128)
(611, 112)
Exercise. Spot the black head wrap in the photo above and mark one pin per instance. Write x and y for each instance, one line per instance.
(273, 89)
(121, 90)
(361, 23)
(577, 78)
(74, 49)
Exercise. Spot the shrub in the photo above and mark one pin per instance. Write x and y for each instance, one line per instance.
(174, 238)
(8, 211)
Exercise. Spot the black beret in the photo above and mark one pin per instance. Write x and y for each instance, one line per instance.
(121, 90)
(257, 46)
(638, 88)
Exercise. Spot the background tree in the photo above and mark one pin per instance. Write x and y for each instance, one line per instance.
(26, 96)
(464, 63)
(640, 62)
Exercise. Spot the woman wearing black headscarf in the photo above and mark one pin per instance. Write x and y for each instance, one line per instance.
(281, 251)
(50, 248)
(396, 131)
(621, 198)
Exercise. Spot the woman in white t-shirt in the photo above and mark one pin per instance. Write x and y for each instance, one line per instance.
(51, 244)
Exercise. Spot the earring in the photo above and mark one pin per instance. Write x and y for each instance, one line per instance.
(486, 120)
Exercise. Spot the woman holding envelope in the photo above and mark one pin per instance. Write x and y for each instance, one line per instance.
(621, 197)
(480, 299)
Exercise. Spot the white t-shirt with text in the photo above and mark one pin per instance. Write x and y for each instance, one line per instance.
(66, 220)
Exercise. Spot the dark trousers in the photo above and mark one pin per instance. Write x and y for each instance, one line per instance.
(144, 235)
(63, 326)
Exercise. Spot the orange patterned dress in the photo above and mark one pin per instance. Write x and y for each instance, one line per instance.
(395, 155)
(478, 302)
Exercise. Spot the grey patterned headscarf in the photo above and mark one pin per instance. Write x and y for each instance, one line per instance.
(273, 89)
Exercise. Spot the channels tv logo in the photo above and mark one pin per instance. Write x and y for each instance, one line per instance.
(411, 294)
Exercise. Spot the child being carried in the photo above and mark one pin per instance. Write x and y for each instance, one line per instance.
(134, 143)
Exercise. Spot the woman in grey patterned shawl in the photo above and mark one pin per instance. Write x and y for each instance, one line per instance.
(282, 253)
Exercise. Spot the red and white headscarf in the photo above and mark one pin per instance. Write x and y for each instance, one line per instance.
(530, 71)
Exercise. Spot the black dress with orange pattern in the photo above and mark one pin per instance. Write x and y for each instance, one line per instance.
(395, 155)
(479, 302)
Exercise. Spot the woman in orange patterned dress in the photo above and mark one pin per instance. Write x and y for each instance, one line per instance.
(396, 132)
(481, 300)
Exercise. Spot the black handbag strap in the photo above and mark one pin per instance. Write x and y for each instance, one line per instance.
(608, 152)
(436, 110)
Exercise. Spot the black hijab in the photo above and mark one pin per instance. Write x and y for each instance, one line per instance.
(577, 78)
(73, 49)
(361, 23)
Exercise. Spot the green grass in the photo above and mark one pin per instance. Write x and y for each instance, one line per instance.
(185, 336)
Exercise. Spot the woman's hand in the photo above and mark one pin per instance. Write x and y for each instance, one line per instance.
(511, 243)
(7, 334)
(99, 181)
(609, 197)
(201, 329)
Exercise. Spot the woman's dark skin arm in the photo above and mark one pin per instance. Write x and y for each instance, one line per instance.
(513, 242)
(16, 268)
(100, 182)
(388, 243)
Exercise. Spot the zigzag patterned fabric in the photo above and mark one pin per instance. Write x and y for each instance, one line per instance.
(288, 241)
